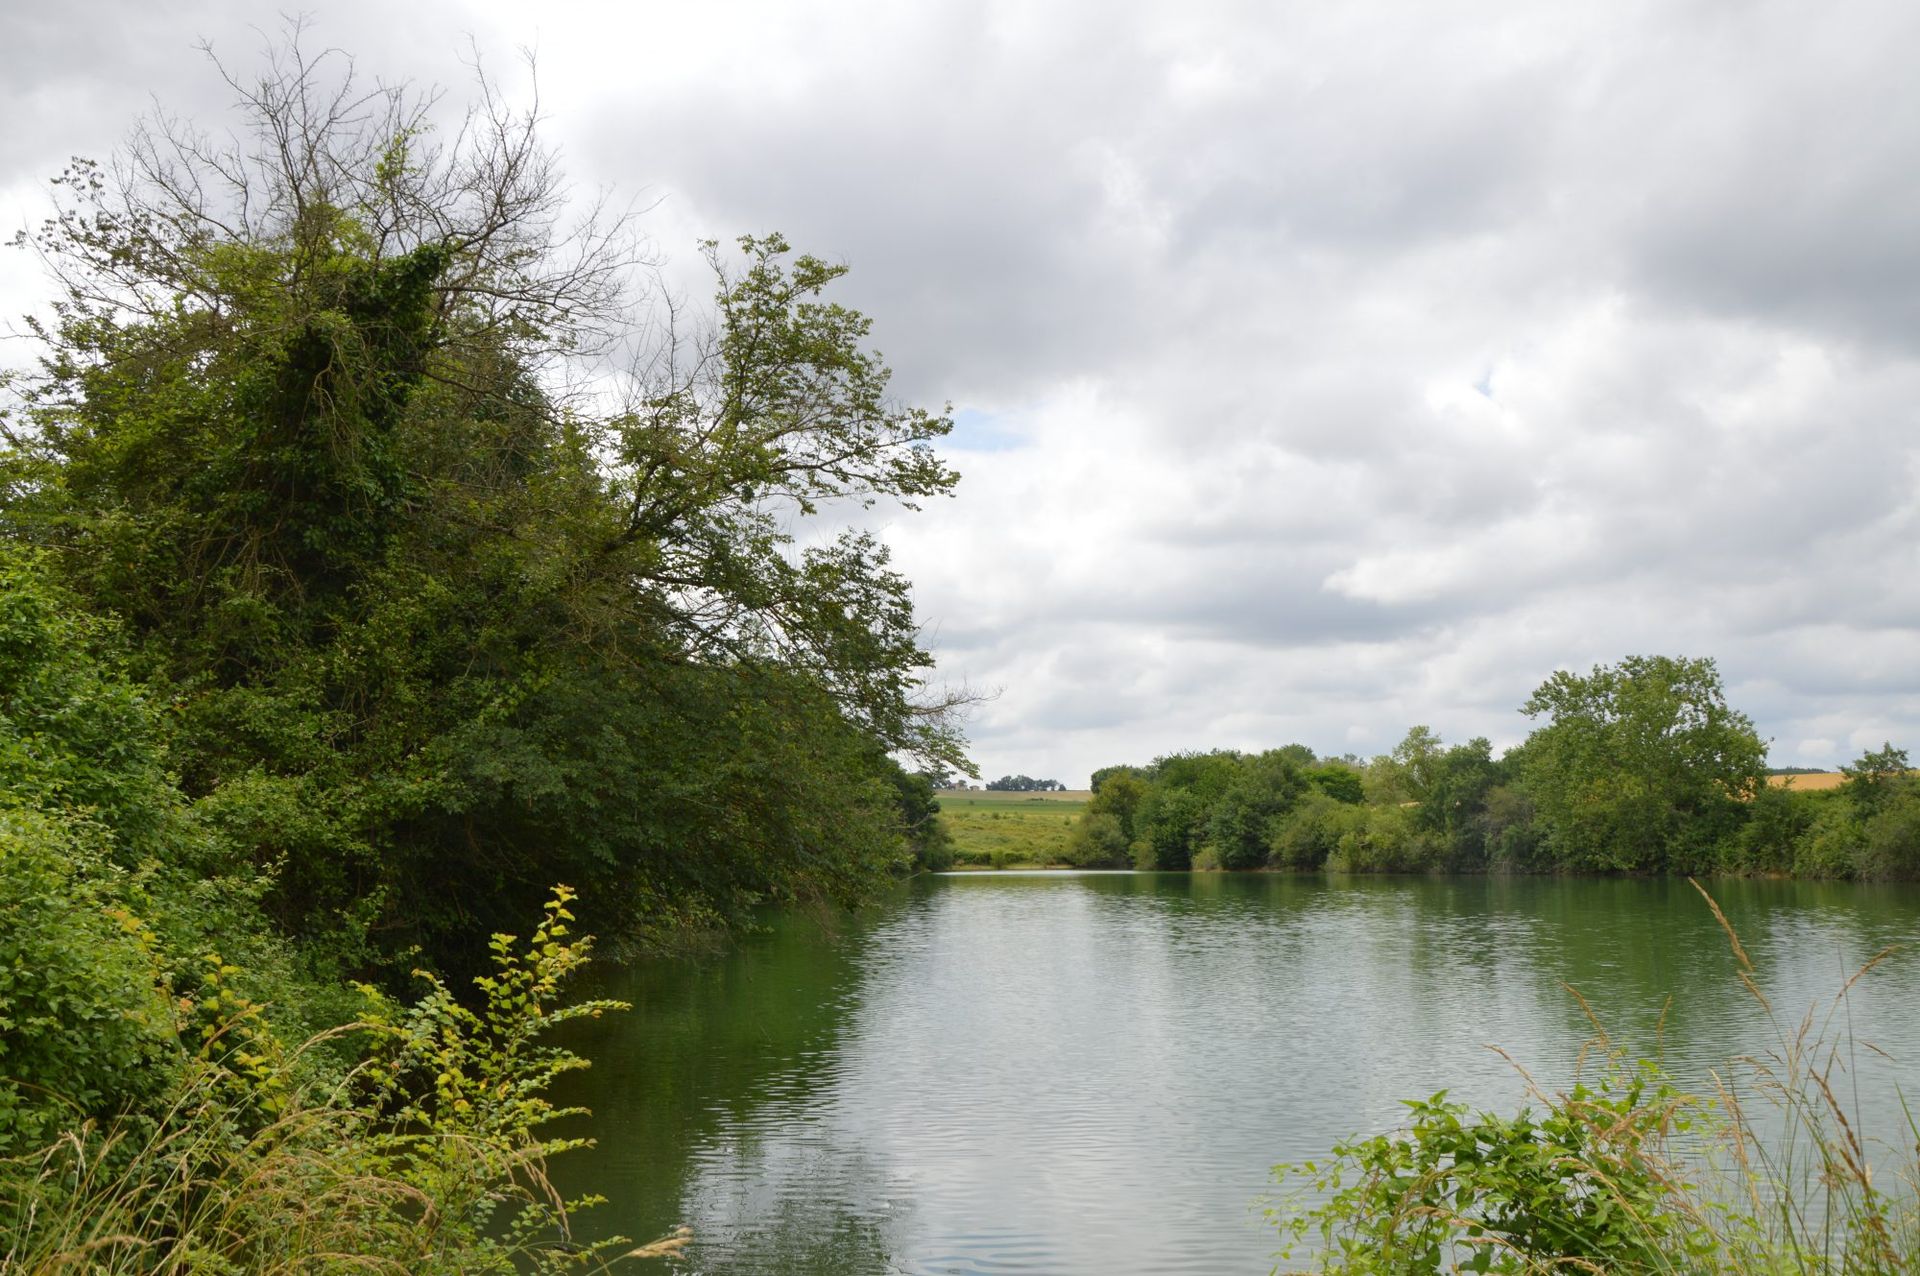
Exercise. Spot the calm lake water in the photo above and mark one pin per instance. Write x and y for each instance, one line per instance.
(1093, 1073)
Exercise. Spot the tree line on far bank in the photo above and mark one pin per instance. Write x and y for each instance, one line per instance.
(1024, 784)
(1639, 767)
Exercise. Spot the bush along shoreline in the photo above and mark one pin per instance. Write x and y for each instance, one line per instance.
(1639, 768)
(1624, 1173)
(184, 1087)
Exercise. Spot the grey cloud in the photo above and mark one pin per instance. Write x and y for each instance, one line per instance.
(1351, 366)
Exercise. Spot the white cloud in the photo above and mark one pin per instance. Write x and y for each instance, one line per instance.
(1324, 370)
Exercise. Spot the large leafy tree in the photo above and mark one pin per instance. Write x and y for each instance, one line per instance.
(1639, 766)
(444, 615)
(1173, 815)
(1249, 814)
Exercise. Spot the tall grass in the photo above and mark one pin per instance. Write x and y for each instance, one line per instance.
(427, 1157)
(1769, 1173)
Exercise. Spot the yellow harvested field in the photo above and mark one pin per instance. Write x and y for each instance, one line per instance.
(1808, 782)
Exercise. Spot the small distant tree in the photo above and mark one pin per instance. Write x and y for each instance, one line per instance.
(1024, 784)
(1875, 775)
(1120, 798)
(1454, 795)
(1409, 771)
(1339, 781)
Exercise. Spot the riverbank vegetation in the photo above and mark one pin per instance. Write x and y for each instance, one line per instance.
(1009, 829)
(1640, 767)
(1774, 1172)
(371, 560)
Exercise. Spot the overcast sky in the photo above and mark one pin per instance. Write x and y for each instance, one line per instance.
(1321, 368)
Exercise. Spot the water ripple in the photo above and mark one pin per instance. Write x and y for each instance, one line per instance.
(1072, 1074)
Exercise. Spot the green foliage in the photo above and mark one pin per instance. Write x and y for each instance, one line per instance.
(1509, 832)
(1830, 845)
(1023, 784)
(86, 1026)
(929, 839)
(1877, 774)
(334, 628)
(1309, 839)
(1099, 840)
(1868, 828)
(1172, 818)
(1640, 766)
(1249, 812)
(1003, 830)
(1890, 836)
(74, 736)
(1584, 1184)
(1627, 1175)
(1405, 774)
(1340, 782)
(1298, 754)
(441, 1068)
(1104, 836)
(429, 1157)
(1172, 823)
(1778, 819)
(1454, 798)
(1120, 798)
(1385, 839)
(432, 635)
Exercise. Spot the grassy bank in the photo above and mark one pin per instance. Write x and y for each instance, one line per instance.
(1010, 830)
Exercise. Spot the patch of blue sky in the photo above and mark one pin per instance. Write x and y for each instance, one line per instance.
(978, 431)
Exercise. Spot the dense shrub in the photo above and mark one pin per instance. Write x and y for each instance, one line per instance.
(75, 735)
(1890, 837)
(1340, 782)
(1584, 1183)
(86, 1025)
(1312, 833)
(1771, 1174)
(428, 1157)
(1171, 824)
(1777, 819)
(1098, 840)
(1245, 817)
(1386, 839)
(431, 633)
(1830, 846)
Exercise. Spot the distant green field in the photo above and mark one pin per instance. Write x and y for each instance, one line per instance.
(1002, 830)
(981, 799)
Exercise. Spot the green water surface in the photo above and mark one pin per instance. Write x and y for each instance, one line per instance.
(1093, 1073)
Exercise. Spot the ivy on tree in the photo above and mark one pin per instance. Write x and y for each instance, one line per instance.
(443, 620)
